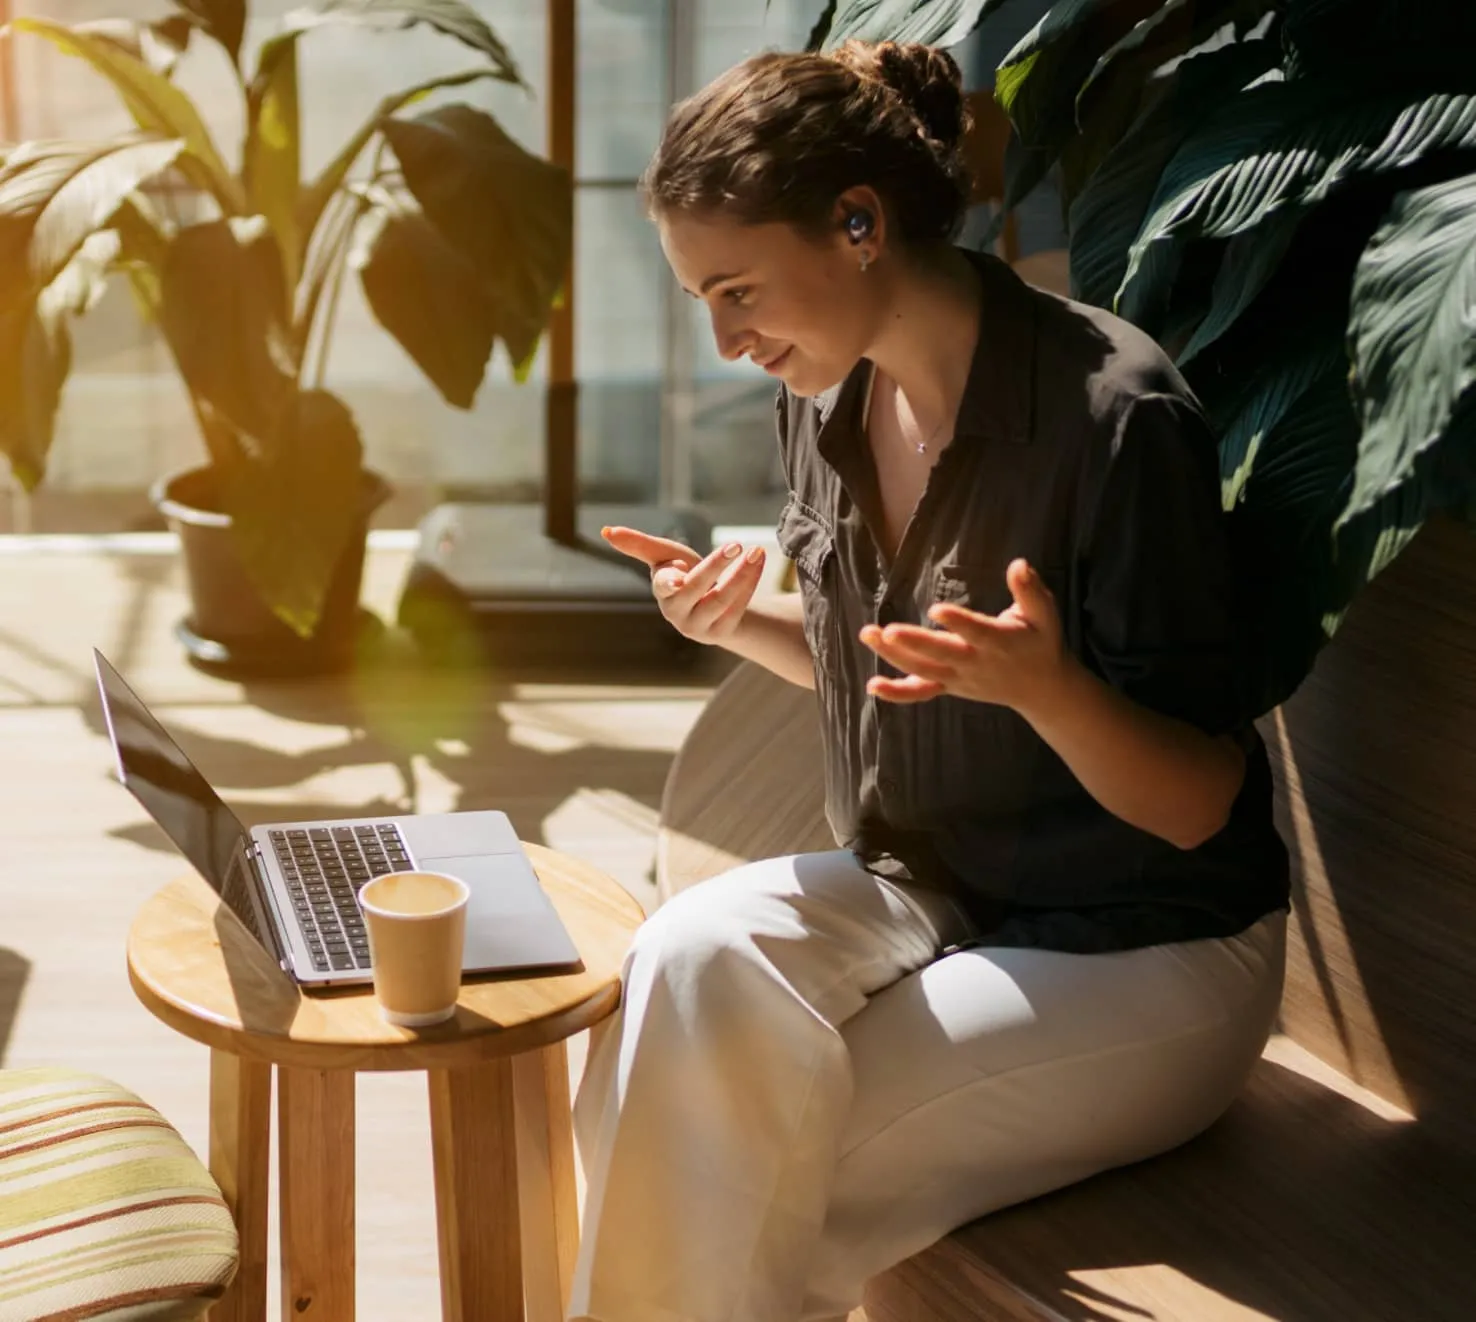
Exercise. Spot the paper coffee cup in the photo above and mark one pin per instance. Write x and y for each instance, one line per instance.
(417, 934)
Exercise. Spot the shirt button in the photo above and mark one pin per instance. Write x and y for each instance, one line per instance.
(887, 785)
(886, 614)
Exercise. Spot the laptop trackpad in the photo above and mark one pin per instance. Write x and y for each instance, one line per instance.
(510, 922)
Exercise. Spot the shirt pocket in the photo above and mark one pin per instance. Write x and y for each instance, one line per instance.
(983, 588)
(976, 587)
(990, 756)
(810, 546)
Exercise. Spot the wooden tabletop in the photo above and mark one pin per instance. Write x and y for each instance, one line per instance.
(194, 966)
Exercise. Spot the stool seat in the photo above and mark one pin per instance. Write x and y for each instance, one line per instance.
(105, 1212)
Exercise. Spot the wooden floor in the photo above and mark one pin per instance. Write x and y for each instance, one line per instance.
(578, 762)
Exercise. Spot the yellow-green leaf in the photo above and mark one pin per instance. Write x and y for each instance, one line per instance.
(155, 103)
(273, 157)
(35, 356)
(53, 195)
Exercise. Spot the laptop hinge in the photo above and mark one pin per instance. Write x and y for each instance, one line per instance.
(273, 916)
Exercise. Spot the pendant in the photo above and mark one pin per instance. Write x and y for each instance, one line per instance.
(922, 447)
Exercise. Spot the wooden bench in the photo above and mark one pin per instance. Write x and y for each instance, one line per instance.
(1342, 1186)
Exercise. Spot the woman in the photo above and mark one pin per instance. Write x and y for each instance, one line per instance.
(1051, 940)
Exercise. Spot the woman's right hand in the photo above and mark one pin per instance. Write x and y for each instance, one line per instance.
(702, 598)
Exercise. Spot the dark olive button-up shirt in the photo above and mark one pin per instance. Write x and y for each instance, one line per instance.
(1078, 446)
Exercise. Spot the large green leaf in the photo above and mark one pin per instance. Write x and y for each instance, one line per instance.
(224, 313)
(1176, 28)
(1038, 81)
(427, 295)
(316, 196)
(508, 212)
(224, 20)
(294, 500)
(930, 22)
(1108, 213)
(1277, 384)
(1275, 391)
(158, 44)
(156, 104)
(1283, 146)
(1412, 333)
(1285, 557)
(53, 195)
(1076, 83)
(272, 165)
(1250, 260)
(1303, 304)
(35, 357)
(36, 353)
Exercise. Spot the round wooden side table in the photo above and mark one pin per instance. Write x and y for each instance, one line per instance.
(502, 1142)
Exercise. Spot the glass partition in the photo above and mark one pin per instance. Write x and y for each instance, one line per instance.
(661, 416)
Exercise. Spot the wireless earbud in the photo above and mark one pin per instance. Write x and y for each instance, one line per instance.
(859, 225)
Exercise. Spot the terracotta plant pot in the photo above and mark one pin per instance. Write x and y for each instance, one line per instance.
(229, 627)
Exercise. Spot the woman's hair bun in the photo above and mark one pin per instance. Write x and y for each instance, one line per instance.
(925, 78)
(780, 137)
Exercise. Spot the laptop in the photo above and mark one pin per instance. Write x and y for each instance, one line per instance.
(294, 885)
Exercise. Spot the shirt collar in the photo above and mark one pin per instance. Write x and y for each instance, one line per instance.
(999, 395)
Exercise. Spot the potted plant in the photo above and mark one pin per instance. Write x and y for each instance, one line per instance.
(459, 237)
(1283, 193)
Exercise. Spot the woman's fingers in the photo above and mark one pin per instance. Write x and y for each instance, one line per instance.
(654, 551)
(924, 652)
(671, 581)
(730, 595)
(910, 688)
(710, 568)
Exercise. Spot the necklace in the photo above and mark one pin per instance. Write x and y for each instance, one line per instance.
(920, 446)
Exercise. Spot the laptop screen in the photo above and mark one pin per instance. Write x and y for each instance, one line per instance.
(177, 796)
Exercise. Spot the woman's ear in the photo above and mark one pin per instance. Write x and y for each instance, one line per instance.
(861, 221)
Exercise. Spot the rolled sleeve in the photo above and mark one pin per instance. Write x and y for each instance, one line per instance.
(1158, 599)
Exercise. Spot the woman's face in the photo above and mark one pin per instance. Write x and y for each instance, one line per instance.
(799, 307)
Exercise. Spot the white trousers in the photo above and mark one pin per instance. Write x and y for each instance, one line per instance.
(802, 1089)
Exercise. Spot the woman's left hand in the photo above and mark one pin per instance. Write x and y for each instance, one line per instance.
(1014, 658)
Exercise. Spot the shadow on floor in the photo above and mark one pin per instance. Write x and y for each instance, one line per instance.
(440, 726)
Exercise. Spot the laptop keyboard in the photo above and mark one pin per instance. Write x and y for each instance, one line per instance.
(324, 868)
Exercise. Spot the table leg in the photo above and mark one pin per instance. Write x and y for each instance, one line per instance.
(315, 1135)
(240, 1144)
(546, 1180)
(472, 1137)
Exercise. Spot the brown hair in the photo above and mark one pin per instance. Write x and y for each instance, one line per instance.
(780, 137)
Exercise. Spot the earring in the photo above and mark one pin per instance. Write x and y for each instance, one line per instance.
(865, 260)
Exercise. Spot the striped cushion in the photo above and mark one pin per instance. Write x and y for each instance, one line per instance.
(105, 1212)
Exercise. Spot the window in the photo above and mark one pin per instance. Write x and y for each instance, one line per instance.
(661, 416)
